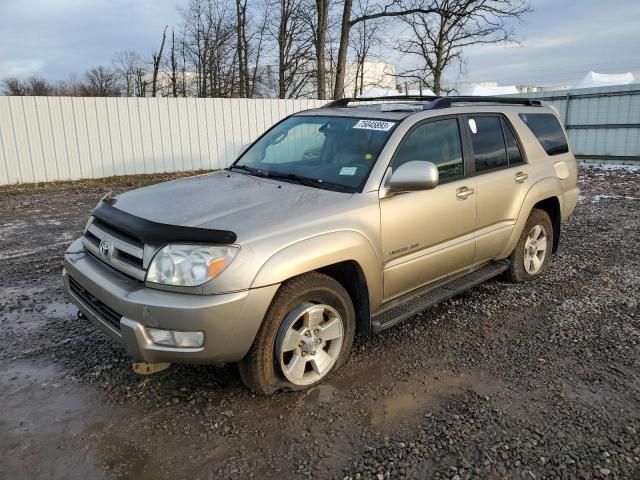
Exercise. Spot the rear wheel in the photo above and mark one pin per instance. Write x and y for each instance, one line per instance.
(306, 335)
(532, 254)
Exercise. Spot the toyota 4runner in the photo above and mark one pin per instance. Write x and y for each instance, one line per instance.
(340, 220)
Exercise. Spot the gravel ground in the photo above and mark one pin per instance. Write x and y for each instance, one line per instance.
(505, 381)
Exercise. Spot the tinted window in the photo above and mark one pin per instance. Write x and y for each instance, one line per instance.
(548, 131)
(513, 151)
(487, 142)
(437, 142)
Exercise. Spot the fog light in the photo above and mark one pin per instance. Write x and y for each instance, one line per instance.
(188, 339)
(176, 338)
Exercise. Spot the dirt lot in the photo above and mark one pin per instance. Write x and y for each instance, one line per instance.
(505, 381)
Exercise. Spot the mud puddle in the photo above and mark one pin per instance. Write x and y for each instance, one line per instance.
(421, 395)
(52, 425)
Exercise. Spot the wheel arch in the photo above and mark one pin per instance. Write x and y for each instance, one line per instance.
(349, 274)
(542, 195)
(551, 205)
(346, 256)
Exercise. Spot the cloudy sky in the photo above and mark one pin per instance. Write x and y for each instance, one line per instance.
(561, 39)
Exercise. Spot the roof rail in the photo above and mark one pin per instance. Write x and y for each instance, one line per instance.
(343, 102)
(438, 102)
(446, 102)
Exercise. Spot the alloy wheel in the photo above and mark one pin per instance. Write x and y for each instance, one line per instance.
(309, 343)
(535, 250)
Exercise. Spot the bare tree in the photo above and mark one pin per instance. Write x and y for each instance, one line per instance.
(373, 11)
(157, 58)
(173, 66)
(242, 47)
(209, 47)
(14, 87)
(295, 49)
(130, 69)
(100, 82)
(72, 87)
(439, 38)
(364, 44)
(320, 41)
(34, 86)
(258, 40)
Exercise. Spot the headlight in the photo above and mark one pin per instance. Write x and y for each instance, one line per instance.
(189, 265)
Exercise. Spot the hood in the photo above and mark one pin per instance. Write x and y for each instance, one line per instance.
(225, 200)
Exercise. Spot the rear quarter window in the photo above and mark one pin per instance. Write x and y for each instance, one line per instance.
(548, 131)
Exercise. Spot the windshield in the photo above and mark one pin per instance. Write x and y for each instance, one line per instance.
(336, 153)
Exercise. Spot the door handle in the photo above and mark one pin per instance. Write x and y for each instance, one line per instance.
(464, 192)
(521, 177)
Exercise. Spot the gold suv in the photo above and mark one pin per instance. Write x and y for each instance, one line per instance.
(348, 218)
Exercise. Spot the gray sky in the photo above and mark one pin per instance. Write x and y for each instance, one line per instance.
(562, 39)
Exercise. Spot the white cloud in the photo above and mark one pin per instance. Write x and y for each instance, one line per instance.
(560, 40)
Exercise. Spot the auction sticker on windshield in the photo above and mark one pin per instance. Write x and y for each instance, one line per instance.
(374, 125)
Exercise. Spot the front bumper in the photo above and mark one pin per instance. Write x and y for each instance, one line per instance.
(229, 321)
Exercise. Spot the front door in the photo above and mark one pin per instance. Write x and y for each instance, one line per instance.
(429, 234)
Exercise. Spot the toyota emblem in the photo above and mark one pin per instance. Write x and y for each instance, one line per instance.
(105, 248)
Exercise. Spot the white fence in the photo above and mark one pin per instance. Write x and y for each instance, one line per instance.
(45, 139)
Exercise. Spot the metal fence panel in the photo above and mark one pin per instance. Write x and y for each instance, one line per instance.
(603, 123)
(63, 138)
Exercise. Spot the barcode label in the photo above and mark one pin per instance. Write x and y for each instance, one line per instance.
(374, 125)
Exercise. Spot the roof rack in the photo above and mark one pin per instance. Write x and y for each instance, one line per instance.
(438, 102)
(446, 102)
(343, 102)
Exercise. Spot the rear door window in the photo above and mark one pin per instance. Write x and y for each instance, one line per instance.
(513, 150)
(487, 142)
(547, 129)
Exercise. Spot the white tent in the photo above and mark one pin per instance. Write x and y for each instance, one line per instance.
(390, 92)
(481, 91)
(593, 79)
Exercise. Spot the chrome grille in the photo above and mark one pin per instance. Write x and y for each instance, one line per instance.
(124, 253)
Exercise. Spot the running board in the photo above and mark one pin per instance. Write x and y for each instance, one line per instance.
(425, 297)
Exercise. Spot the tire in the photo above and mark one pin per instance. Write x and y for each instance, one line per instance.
(523, 267)
(297, 306)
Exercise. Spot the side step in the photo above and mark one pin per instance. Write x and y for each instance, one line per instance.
(425, 297)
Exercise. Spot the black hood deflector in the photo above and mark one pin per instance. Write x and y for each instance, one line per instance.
(154, 233)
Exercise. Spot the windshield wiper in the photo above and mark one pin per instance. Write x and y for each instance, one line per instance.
(252, 171)
(309, 182)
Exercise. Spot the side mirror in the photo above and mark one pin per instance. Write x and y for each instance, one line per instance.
(413, 176)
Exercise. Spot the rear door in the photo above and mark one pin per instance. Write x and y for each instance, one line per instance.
(502, 180)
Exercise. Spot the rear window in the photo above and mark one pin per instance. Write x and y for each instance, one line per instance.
(548, 131)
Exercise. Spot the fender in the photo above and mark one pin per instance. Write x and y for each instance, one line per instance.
(320, 251)
(541, 190)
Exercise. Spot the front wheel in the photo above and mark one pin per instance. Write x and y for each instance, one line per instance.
(306, 335)
(532, 254)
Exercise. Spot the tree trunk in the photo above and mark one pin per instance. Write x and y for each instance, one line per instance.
(321, 41)
(240, 47)
(338, 91)
(174, 66)
(156, 64)
(282, 45)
